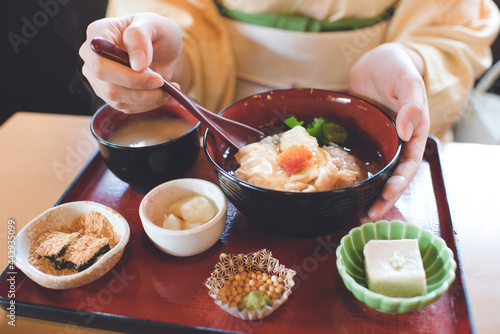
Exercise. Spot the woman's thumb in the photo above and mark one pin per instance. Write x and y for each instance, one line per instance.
(139, 47)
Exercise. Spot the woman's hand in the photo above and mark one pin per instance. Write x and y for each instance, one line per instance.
(391, 75)
(152, 41)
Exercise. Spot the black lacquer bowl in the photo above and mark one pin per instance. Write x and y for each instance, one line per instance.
(306, 215)
(148, 166)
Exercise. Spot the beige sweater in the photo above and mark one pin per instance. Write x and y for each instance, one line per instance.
(453, 37)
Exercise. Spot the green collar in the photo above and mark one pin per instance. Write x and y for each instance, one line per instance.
(302, 23)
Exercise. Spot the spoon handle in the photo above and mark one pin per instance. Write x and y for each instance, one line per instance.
(108, 50)
(207, 118)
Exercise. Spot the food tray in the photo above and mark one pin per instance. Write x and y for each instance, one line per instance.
(149, 290)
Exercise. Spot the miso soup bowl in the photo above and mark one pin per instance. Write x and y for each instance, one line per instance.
(148, 166)
(306, 215)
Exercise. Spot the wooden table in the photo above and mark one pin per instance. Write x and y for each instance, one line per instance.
(472, 178)
(41, 154)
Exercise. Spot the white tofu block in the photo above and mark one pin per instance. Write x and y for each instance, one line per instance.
(187, 225)
(172, 222)
(394, 268)
(196, 209)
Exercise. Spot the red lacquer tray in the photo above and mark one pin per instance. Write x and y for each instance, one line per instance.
(149, 290)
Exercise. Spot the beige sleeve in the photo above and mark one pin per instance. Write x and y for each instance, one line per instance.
(454, 38)
(205, 42)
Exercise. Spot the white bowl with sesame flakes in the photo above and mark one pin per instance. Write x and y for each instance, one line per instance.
(60, 218)
(155, 209)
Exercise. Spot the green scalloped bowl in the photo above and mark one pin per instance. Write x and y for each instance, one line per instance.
(438, 259)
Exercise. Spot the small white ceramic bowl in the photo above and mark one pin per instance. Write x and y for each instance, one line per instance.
(188, 242)
(56, 217)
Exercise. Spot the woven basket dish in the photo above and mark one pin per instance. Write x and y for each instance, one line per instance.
(231, 264)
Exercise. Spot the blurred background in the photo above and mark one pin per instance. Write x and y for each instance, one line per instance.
(41, 68)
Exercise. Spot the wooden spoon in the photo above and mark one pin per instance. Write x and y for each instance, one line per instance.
(232, 132)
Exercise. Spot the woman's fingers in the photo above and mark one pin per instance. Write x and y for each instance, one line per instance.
(378, 209)
(130, 100)
(138, 44)
(117, 74)
(142, 36)
(408, 164)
